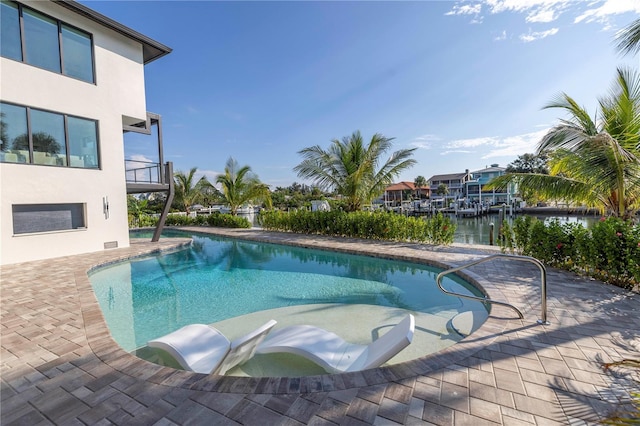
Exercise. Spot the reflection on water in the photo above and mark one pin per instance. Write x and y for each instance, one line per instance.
(217, 278)
(475, 230)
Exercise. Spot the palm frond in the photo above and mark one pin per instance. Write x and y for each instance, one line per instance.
(628, 40)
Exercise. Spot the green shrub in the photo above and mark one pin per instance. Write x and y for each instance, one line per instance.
(215, 219)
(142, 221)
(609, 251)
(226, 221)
(178, 220)
(370, 225)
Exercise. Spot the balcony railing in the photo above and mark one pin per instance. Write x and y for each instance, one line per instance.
(144, 172)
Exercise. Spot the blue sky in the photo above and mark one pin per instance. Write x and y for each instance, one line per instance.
(464, 82)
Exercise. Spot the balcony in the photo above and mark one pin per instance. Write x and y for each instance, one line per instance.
(144, 176)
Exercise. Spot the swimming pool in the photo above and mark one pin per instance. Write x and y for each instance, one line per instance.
(236, 284)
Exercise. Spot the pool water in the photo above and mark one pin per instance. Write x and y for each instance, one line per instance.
(216, 280)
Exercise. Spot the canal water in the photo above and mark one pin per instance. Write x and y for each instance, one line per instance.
(475, 230)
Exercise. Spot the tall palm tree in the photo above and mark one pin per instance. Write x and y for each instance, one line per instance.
(419, 182)
(629, 38)
(188, 191)
(593, 162)
(240, 186)
(350, 167)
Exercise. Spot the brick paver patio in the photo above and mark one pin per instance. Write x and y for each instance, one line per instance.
(60, 365)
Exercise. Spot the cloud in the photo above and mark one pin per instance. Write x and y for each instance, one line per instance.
(424, 141)
(465, 9)
(512, 146)
(502, 36)
(456, 151)
(546, 11)
(609, 8)
(537, 35)
(542, 15)
(472, 143)
(494, 146)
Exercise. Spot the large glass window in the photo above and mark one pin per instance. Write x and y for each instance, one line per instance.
(10, 31)
(47, 132)
(76, 54)
(40, 43)
(83, 146)
(41, 40)
(47, 138)
(14, 134)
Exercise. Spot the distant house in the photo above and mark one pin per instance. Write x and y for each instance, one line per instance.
(455, 183)
(72, 84)
(398, 192)
(479, 178)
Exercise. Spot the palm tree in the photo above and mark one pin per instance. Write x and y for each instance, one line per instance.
(629, 38)
(240, 186)
(419, 182)
(189, 193)
(350, 167)
(593, 162)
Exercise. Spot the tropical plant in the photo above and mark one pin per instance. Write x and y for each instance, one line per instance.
(629, 38)
(138, 212)
(350, 167)
(189, 192)
(442, 189)
(240, 186)
(419, 182)
(593, 162)
(376, 225)
(529, 163)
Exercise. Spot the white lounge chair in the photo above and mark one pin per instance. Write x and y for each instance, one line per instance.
(204, 349)
(335, 355)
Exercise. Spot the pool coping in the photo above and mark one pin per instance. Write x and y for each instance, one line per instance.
(108, 351)
(524, 373)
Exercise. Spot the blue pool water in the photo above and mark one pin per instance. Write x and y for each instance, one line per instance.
(217, 279)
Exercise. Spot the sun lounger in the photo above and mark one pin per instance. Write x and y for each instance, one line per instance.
(334, 354)
(204, 349)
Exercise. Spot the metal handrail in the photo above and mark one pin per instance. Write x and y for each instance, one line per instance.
(543, 284)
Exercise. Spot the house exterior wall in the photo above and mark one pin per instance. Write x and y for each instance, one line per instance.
(118, 92)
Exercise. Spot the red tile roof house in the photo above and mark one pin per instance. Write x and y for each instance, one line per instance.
(400, 191)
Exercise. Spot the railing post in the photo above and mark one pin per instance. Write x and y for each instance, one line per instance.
(543, 284)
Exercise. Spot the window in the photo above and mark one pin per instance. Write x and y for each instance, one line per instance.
(14, 134)
(77, 58)
(47, 133)
(42, 45)
(31, 135)
(82, 142)
(41, 41)
(10, 31)
(32, 218)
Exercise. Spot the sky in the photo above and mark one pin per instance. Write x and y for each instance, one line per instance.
(463, 82)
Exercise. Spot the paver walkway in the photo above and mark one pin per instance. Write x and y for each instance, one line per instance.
(60, 365)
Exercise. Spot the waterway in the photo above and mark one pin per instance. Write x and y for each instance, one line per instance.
(475, 230)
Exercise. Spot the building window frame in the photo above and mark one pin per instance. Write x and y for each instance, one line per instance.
(90, 160)
(60, 41)
(30, 219)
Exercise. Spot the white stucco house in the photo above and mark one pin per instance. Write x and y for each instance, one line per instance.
(72, 83)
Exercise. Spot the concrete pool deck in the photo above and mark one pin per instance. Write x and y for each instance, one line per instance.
(60, 365)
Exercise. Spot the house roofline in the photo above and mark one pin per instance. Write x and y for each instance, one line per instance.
(151, 49)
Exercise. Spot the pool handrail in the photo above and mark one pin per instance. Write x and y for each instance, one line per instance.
(543, 283)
